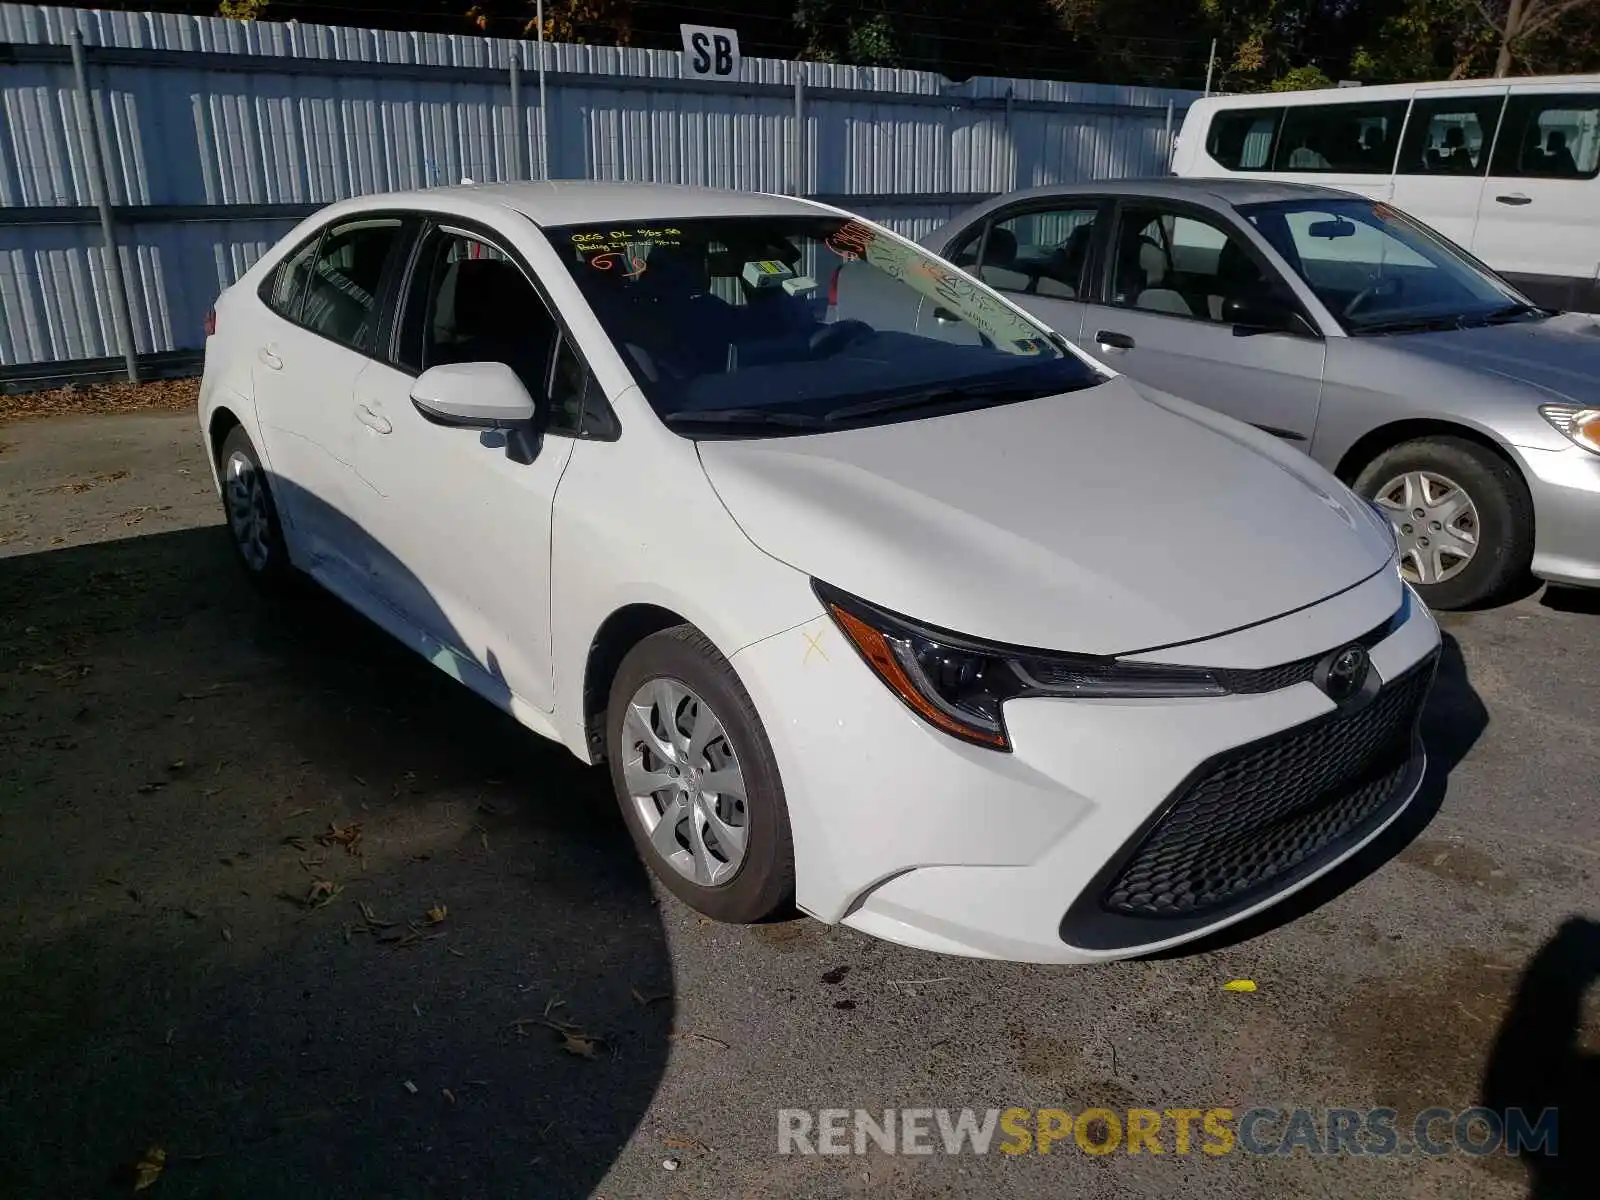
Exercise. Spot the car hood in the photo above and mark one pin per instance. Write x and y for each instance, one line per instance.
(1559, 356)
(1104, 521)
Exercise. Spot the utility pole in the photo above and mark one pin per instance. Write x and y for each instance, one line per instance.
(1210, 64)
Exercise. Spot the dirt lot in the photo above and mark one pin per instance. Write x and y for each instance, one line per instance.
(286, 903)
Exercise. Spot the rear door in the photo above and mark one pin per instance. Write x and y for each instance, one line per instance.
(1444, 156)
(321, 320)
(1537, 224)
(1169, 271)
(1039, 254)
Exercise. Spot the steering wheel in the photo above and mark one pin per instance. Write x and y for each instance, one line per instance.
(1392, 286)
(831, 339)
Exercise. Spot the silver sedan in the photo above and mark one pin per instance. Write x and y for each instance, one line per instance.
(1345, 327)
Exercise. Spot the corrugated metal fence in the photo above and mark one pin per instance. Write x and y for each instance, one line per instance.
(217, 135)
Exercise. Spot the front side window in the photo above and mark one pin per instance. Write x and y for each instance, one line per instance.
(750, 326)
(471, 302)
(1378, 271)
(341, 296)
(1450, 136)
(1349, 138)
(1180, 266)
(1041, 252)
(1555, 136)
(1242, 139)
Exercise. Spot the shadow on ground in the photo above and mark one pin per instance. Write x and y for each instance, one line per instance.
(1452, 722)
(1537, 1064)
(170, 749)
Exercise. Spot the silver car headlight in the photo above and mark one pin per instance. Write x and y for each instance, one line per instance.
(1577, 423)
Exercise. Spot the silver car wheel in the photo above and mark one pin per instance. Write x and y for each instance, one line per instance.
(248, 515)
(685, 782)
(1435, 522)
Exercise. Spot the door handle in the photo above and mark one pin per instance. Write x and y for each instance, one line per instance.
(1111, 340)
(269, 358)
(1516, 199)
(372, 420)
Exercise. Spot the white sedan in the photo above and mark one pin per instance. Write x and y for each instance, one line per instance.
(876, 597)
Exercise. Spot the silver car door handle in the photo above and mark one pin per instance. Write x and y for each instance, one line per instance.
(269, 358)
(372, 420)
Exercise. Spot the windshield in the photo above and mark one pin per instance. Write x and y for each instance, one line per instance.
(756, 326)
(1379, 271)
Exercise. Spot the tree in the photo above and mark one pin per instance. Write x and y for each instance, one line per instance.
(242, 10)
(1516, 22)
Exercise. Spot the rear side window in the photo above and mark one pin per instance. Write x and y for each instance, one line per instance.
(1554, 136)
(1242, 139)
(1450, 136)
(284, 288)
(1042, 251)
(1349, 138)
(342, 294)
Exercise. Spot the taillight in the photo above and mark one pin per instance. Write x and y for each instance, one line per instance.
(211, 322)
(833, 288)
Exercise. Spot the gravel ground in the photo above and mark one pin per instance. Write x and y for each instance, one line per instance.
(283, 901)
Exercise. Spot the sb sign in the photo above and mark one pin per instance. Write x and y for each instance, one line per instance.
(708, 52)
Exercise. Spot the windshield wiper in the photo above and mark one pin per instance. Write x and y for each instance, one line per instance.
(1411, 324)
(932, 398)
(742, 416)
(1513, 312)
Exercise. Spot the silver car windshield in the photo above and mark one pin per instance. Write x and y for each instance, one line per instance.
(761, 326)
(1379, 271)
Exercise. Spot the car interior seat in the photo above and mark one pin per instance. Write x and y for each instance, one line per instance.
(999, 266)
(1156, 295)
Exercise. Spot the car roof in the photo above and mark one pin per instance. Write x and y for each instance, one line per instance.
(583, 202)
(1211, 192)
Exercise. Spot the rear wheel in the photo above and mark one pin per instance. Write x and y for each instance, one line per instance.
(696, 779)
(1461, 514)
(252, 515)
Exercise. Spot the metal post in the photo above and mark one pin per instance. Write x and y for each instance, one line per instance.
(89, 135)
(1169, 135)
(544, 128)
(1010, 150)
(517, 141)
(797, 172)
(1210, 63)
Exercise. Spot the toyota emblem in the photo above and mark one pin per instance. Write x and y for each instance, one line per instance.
(1342, 674)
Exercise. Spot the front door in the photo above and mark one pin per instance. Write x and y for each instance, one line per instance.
(459, 529)
(1161, 321)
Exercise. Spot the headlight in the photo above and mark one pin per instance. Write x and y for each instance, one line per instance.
(959, 685)
(1582, 425)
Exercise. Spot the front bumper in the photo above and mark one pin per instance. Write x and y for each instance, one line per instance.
(907, 834)
(1565, 485)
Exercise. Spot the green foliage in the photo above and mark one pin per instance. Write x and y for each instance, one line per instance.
(242, 10)
(1300, 79)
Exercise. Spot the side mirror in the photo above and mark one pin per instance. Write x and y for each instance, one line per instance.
(473, 395)
(1264, 313)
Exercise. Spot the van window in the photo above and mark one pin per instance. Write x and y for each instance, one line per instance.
(1450, 135)
(1553, 136)
(1351, 138)
(1241, 139)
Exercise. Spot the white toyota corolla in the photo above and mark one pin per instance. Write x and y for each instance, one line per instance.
(874, 594)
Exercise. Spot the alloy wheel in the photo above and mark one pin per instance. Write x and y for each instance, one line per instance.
(249, 518)
(684, 780)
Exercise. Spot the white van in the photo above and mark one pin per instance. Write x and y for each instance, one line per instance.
(1506, 168)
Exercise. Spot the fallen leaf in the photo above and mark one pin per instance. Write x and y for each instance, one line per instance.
(645, 1001)
(449, 1095)
(148, 1167)
(437, 914)
(411, 1087)
(348, 836)
(371, 918)
(298, 843)
(322, 892)
(1239, 985)
(144, 789)
(227, 934)
(193, 914)
(674, 1141)
(580, 1044)
(299, 812)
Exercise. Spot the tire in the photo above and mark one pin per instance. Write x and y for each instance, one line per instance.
(1500, 517)
(252, 516)
(679, 670)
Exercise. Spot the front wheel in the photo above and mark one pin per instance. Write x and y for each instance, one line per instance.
(696, 779)
(1461, 515)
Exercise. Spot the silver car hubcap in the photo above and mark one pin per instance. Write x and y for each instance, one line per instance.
(685, 782)
(1435, 522)
(248, 517)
